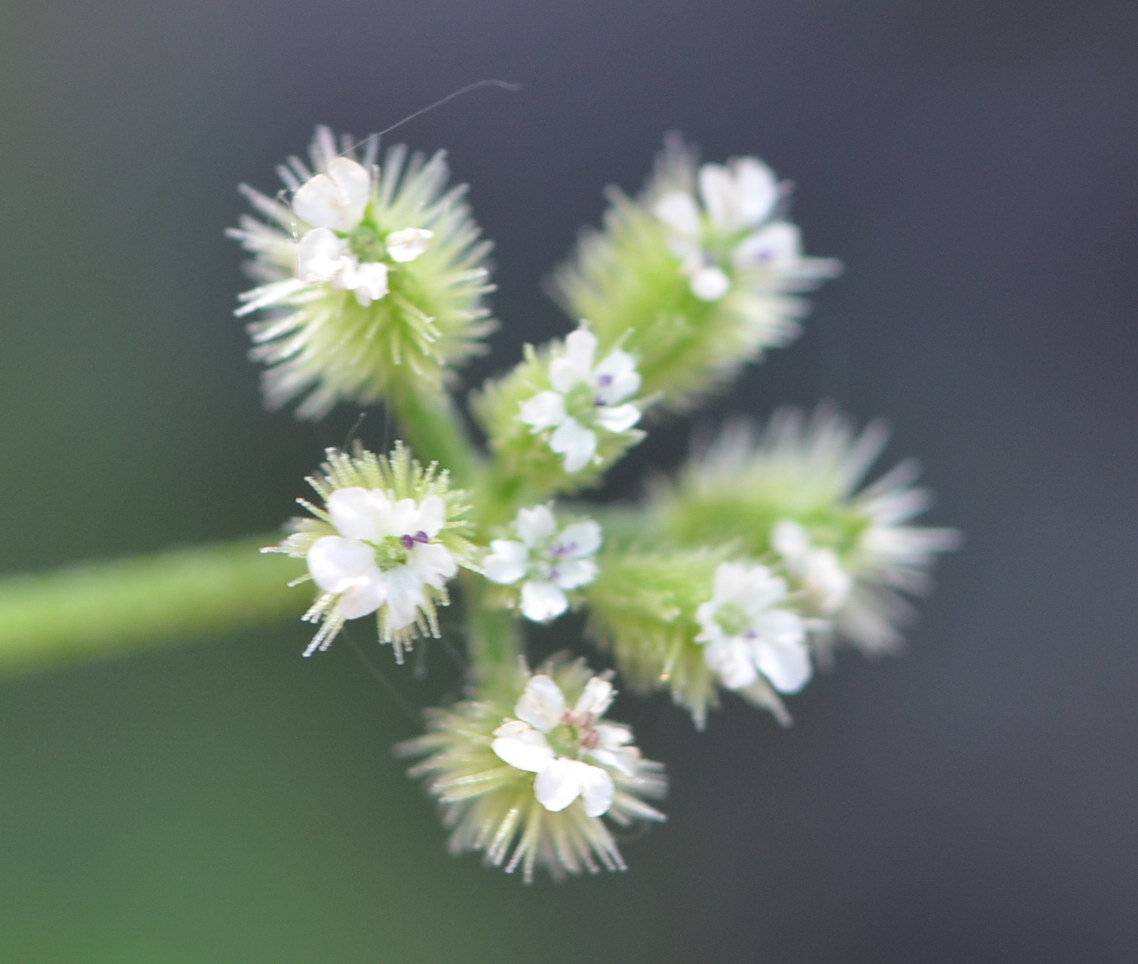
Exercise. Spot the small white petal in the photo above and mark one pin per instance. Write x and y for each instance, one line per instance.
(403, 519)
(616, 378)
(338, 564)
(717, 188)
(542, 601)
(359, 513)
(334, 200)
(404, 597)
(622, 758)
(787, 667)
(521, 746)
(576, 443)
(730, 659)
(506, 562)
(579, 539)
(363, 599)
(778, 247)
(573, 573)
(779, 626)
(432, 563)
(756, 190)
(596, 698)
(619, 418)
(408, 244)
(576, 364)
(559, 784)
(369, 282)
(679, 212)
(320, 257)
(544, 410)
(596, 789)
(536, 526)
(541, 704)
(432, 514)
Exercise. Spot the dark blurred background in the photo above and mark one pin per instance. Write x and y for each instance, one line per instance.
(972, 163)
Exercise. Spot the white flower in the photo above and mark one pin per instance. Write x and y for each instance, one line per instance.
(735, 232)
(818, 569)
(746, 634)
(584, 399)
(386, 541)
(335, 202)
(484, 757)
(549, 561)
(384, 554)
(553, 741)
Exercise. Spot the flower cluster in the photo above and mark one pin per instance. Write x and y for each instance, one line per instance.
(373, 275)
(727, 232)
(700, 274)
(734, 579)
(525, 775)
(796, 490)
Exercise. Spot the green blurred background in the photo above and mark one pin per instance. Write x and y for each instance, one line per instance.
(974, 166)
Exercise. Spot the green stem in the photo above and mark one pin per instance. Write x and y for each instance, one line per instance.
(435, 432)
(495, 641)
(97, 610)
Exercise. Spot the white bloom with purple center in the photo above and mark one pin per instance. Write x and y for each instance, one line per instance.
(548, 561)
(731, 230)
(585, 398)
(746, 634)
(385, 554)
(557, 743)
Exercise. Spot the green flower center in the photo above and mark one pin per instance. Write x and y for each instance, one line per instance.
(581, 404)
(393, 551)
(565, 740)
(366, 244)
(732, 619)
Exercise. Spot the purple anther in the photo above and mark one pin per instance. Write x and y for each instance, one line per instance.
(421, 536)
(563, 550)
(408, 542)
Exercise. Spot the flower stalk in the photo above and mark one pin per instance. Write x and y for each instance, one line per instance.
(97, 611)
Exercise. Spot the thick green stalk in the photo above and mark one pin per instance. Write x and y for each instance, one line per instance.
(93, 611)
(434, 429)
(495, 638)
